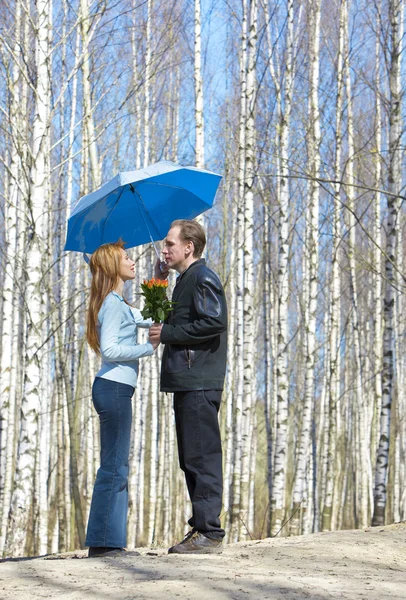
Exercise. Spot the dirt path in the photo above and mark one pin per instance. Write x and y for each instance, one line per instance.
(363, 565)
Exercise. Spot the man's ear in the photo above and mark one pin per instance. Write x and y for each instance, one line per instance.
(190, 248)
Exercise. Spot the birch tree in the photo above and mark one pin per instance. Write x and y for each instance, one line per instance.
(311, 257)
(361, 407)
(199, 118)
(87, 98)
(249, 380)
(377, 236)
(34, 406)
(277, 501)
(147, 84)
(396, 9)
(330, 428)
(10, 313)
(240, 233)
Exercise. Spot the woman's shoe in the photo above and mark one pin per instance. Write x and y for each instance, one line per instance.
(97, 552)
(102, 552)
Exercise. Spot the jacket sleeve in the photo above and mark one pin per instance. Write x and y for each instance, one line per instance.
(110, 317)
(211, 308)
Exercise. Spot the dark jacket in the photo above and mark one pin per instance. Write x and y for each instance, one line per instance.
(195, 333)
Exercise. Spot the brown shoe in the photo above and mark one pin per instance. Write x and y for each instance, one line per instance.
(197, 543)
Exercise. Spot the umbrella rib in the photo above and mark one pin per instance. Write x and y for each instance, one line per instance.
(176, 187)
(112, 208)
(135, 191)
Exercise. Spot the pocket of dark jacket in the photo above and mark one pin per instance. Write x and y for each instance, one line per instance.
(177, 359)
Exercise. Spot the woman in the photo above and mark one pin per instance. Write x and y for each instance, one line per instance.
(112, 333)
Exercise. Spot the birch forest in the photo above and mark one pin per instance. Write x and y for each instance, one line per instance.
(298, 104)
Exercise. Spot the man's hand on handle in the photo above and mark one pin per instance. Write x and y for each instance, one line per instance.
(161, 270)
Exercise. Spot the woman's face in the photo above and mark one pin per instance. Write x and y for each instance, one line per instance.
(127, 266)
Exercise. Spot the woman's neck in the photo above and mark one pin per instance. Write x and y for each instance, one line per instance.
(119, 287)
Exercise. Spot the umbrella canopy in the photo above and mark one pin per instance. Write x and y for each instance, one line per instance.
(139, 206)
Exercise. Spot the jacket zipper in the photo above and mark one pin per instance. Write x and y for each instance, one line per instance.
(188, 357)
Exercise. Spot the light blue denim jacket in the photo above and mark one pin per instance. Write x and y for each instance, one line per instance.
(117, 330)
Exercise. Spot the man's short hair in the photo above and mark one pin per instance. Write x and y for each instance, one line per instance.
(191, 231)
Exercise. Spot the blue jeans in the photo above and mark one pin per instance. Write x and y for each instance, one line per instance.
(107, 525)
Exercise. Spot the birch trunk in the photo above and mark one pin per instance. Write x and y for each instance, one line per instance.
(136, 82)
(153, 429)
(230, 396)
(279, 470)
(377, 276)
(400, 404)
(141, 462)
(269, 320)
(147, 85)
(249, 382)
(176, 117)
(240, 234)
(199, 119)
(364, 470)
(394, 186)
(33, 402)
(167, 476)
(335, 294)
(87, 96)
(311, 255)
(10, 313)
(199, 104)
(271, 352)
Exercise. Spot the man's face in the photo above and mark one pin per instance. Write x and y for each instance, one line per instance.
(175, 251)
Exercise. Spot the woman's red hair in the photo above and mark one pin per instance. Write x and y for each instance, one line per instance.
(105, 269)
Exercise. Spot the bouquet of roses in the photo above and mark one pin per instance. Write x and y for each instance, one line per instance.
(157, 306)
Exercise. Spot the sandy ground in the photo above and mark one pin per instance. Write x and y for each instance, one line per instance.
(364, 564)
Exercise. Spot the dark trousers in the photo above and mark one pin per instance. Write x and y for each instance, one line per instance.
(200, 456)
(107, 525)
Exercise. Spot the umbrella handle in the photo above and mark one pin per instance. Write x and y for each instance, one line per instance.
(156, 249)
(159, 258)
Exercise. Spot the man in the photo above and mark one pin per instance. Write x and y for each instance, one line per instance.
(193, 368)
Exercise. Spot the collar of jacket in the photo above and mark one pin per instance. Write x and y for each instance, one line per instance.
(118, 296)
(199, 261)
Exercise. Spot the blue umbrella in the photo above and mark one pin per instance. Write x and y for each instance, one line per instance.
(139, 206)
